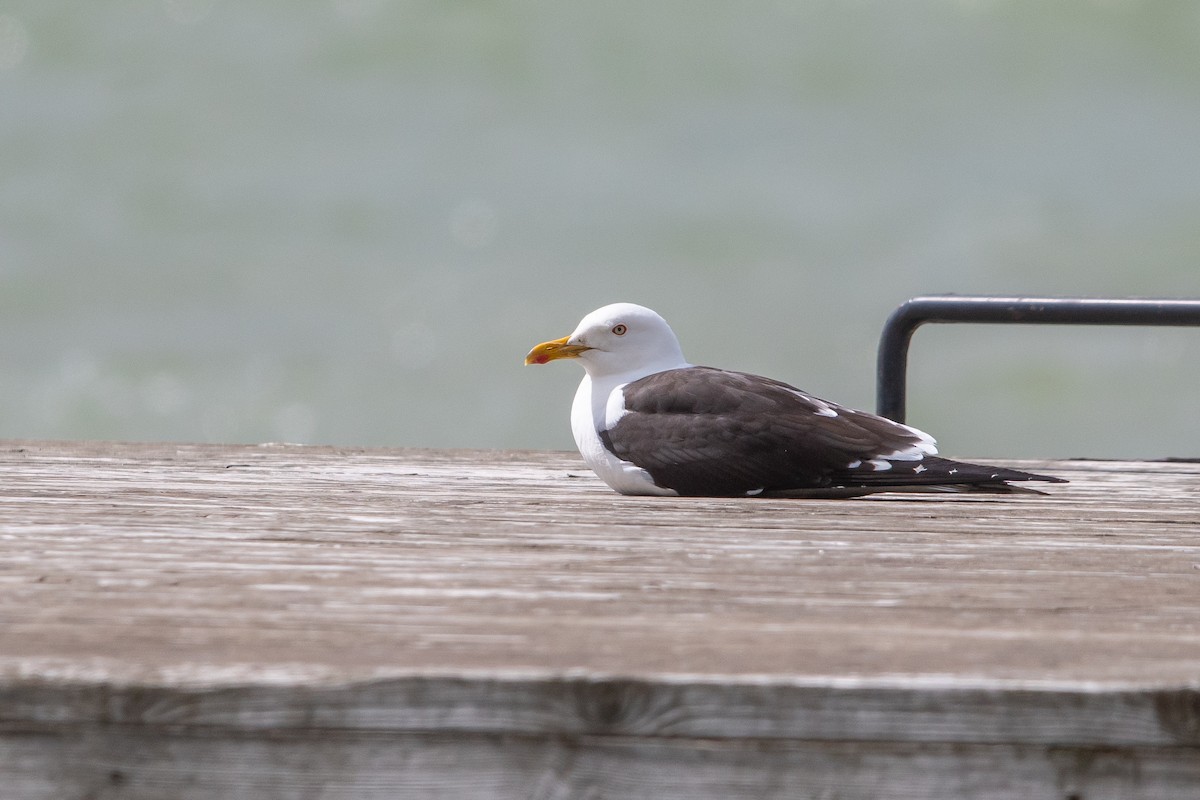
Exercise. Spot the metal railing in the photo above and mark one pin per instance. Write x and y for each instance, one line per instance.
(892, 364)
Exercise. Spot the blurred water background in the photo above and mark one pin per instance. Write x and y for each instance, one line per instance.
(346, 221)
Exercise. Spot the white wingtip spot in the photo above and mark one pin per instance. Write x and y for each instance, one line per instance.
(917, 470)
(880, 465)
(755, 492)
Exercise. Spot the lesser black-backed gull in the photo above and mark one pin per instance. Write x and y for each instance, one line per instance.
(648, 422)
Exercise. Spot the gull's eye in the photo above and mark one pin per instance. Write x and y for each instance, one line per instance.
(619, 329)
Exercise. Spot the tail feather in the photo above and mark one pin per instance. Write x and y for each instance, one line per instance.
(934, 471)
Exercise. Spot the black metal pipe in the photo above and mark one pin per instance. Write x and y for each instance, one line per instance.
(892, 364)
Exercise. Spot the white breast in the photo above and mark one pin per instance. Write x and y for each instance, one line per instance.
(597, 406)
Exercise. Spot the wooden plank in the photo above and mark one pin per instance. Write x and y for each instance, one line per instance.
(142, 765)
(731, 707)
(279, 600)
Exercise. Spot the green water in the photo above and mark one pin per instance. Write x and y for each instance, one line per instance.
(345, 222)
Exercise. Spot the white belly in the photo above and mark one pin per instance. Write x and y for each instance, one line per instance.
(597, 407)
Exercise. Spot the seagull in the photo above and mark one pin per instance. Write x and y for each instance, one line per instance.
(649, 423)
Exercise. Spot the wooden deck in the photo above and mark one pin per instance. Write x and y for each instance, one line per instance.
(193, 622)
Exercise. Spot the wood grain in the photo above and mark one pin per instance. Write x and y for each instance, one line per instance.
(400, 610)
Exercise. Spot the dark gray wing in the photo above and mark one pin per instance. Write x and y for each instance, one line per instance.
(709, 432)
(704, 431)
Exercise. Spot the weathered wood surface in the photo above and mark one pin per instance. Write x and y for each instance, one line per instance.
(273, 621)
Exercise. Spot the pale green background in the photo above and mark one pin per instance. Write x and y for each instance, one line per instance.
(346, 221)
